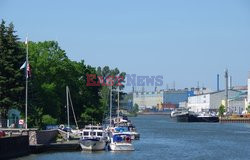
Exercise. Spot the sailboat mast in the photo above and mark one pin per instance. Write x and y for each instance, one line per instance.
(110, 107)
(72, 107)
(67, 95)
(118, 105)
(26, 84)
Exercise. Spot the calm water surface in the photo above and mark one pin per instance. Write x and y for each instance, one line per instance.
(162, 138)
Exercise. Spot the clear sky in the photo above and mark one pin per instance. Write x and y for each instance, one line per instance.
(184, 40)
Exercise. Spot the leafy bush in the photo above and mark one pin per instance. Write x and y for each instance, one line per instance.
(221, 110)
(48, 120)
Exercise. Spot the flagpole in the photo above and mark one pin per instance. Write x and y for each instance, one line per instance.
(26, 86)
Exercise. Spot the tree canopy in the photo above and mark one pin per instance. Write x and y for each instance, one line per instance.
(51, 72)
(11, 78)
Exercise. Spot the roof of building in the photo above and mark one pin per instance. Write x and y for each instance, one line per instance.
(218, 92)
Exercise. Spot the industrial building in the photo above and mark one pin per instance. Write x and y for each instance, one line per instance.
(248, 85)
(237, 105)
(209, 101)
(161, 100)
(147, 100)
(174, 97)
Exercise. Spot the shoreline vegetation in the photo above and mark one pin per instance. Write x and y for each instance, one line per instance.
(51, 72)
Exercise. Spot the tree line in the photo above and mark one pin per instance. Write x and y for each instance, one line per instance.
(51, 72)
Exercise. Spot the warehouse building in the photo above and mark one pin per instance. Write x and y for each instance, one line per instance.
(209, 101)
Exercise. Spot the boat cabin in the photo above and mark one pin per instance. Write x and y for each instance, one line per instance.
(121, 138)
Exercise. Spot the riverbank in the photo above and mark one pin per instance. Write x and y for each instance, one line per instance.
(234, 120)
(163, 138)
(72, 145)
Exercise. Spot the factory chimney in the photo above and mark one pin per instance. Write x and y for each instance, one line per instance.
(226, 90)
(230, 82)
(218, 82)
(248, 88)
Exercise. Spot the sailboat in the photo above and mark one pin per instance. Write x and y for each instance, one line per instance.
(69, 132)
(119, 141)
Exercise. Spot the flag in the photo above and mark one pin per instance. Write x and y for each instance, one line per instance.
(26, 40)
(28, 69)
(23, 66)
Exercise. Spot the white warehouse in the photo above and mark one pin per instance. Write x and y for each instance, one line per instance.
(209, 101)
(248, 84)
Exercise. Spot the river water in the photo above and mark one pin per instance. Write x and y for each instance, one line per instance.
(163, 138)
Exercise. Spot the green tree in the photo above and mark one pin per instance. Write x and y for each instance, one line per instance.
(135, 108)
(105, 72)
(248, 108)
(48, 120)
(11, 77)
(52, 71)
(221, 110)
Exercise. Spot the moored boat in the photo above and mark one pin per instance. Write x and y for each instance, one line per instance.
(93, 138)
(183, 115)
(127, 130)
(121, 142)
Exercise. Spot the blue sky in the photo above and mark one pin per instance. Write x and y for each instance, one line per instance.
(184, 40)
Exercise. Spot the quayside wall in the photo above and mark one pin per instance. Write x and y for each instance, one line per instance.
(16, 146)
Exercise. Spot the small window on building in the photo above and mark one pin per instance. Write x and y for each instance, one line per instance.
(99, 133)
(85, 133)
(93, 133)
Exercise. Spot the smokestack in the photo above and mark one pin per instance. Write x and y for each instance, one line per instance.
(218, 82)
(226, 90)
(248, 88)
(230, 82)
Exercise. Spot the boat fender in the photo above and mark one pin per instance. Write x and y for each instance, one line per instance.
(61, 126)
(128, 139)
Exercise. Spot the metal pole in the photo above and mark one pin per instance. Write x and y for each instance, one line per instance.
(118, 104)
(67, 92)
(218, 82)
(72, 107)
(110, 107)
(26, 86)
(226, 90)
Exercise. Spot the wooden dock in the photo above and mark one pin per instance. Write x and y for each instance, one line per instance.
(64, 146)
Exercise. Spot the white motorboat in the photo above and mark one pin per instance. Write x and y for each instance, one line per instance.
(93, 138)
(126, 130)
(178, 111)
(121, 142)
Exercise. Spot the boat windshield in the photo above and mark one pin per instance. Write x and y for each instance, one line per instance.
(99, 134)
(93, 133)
(121, 129)
(85, 133)
(121, 138)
